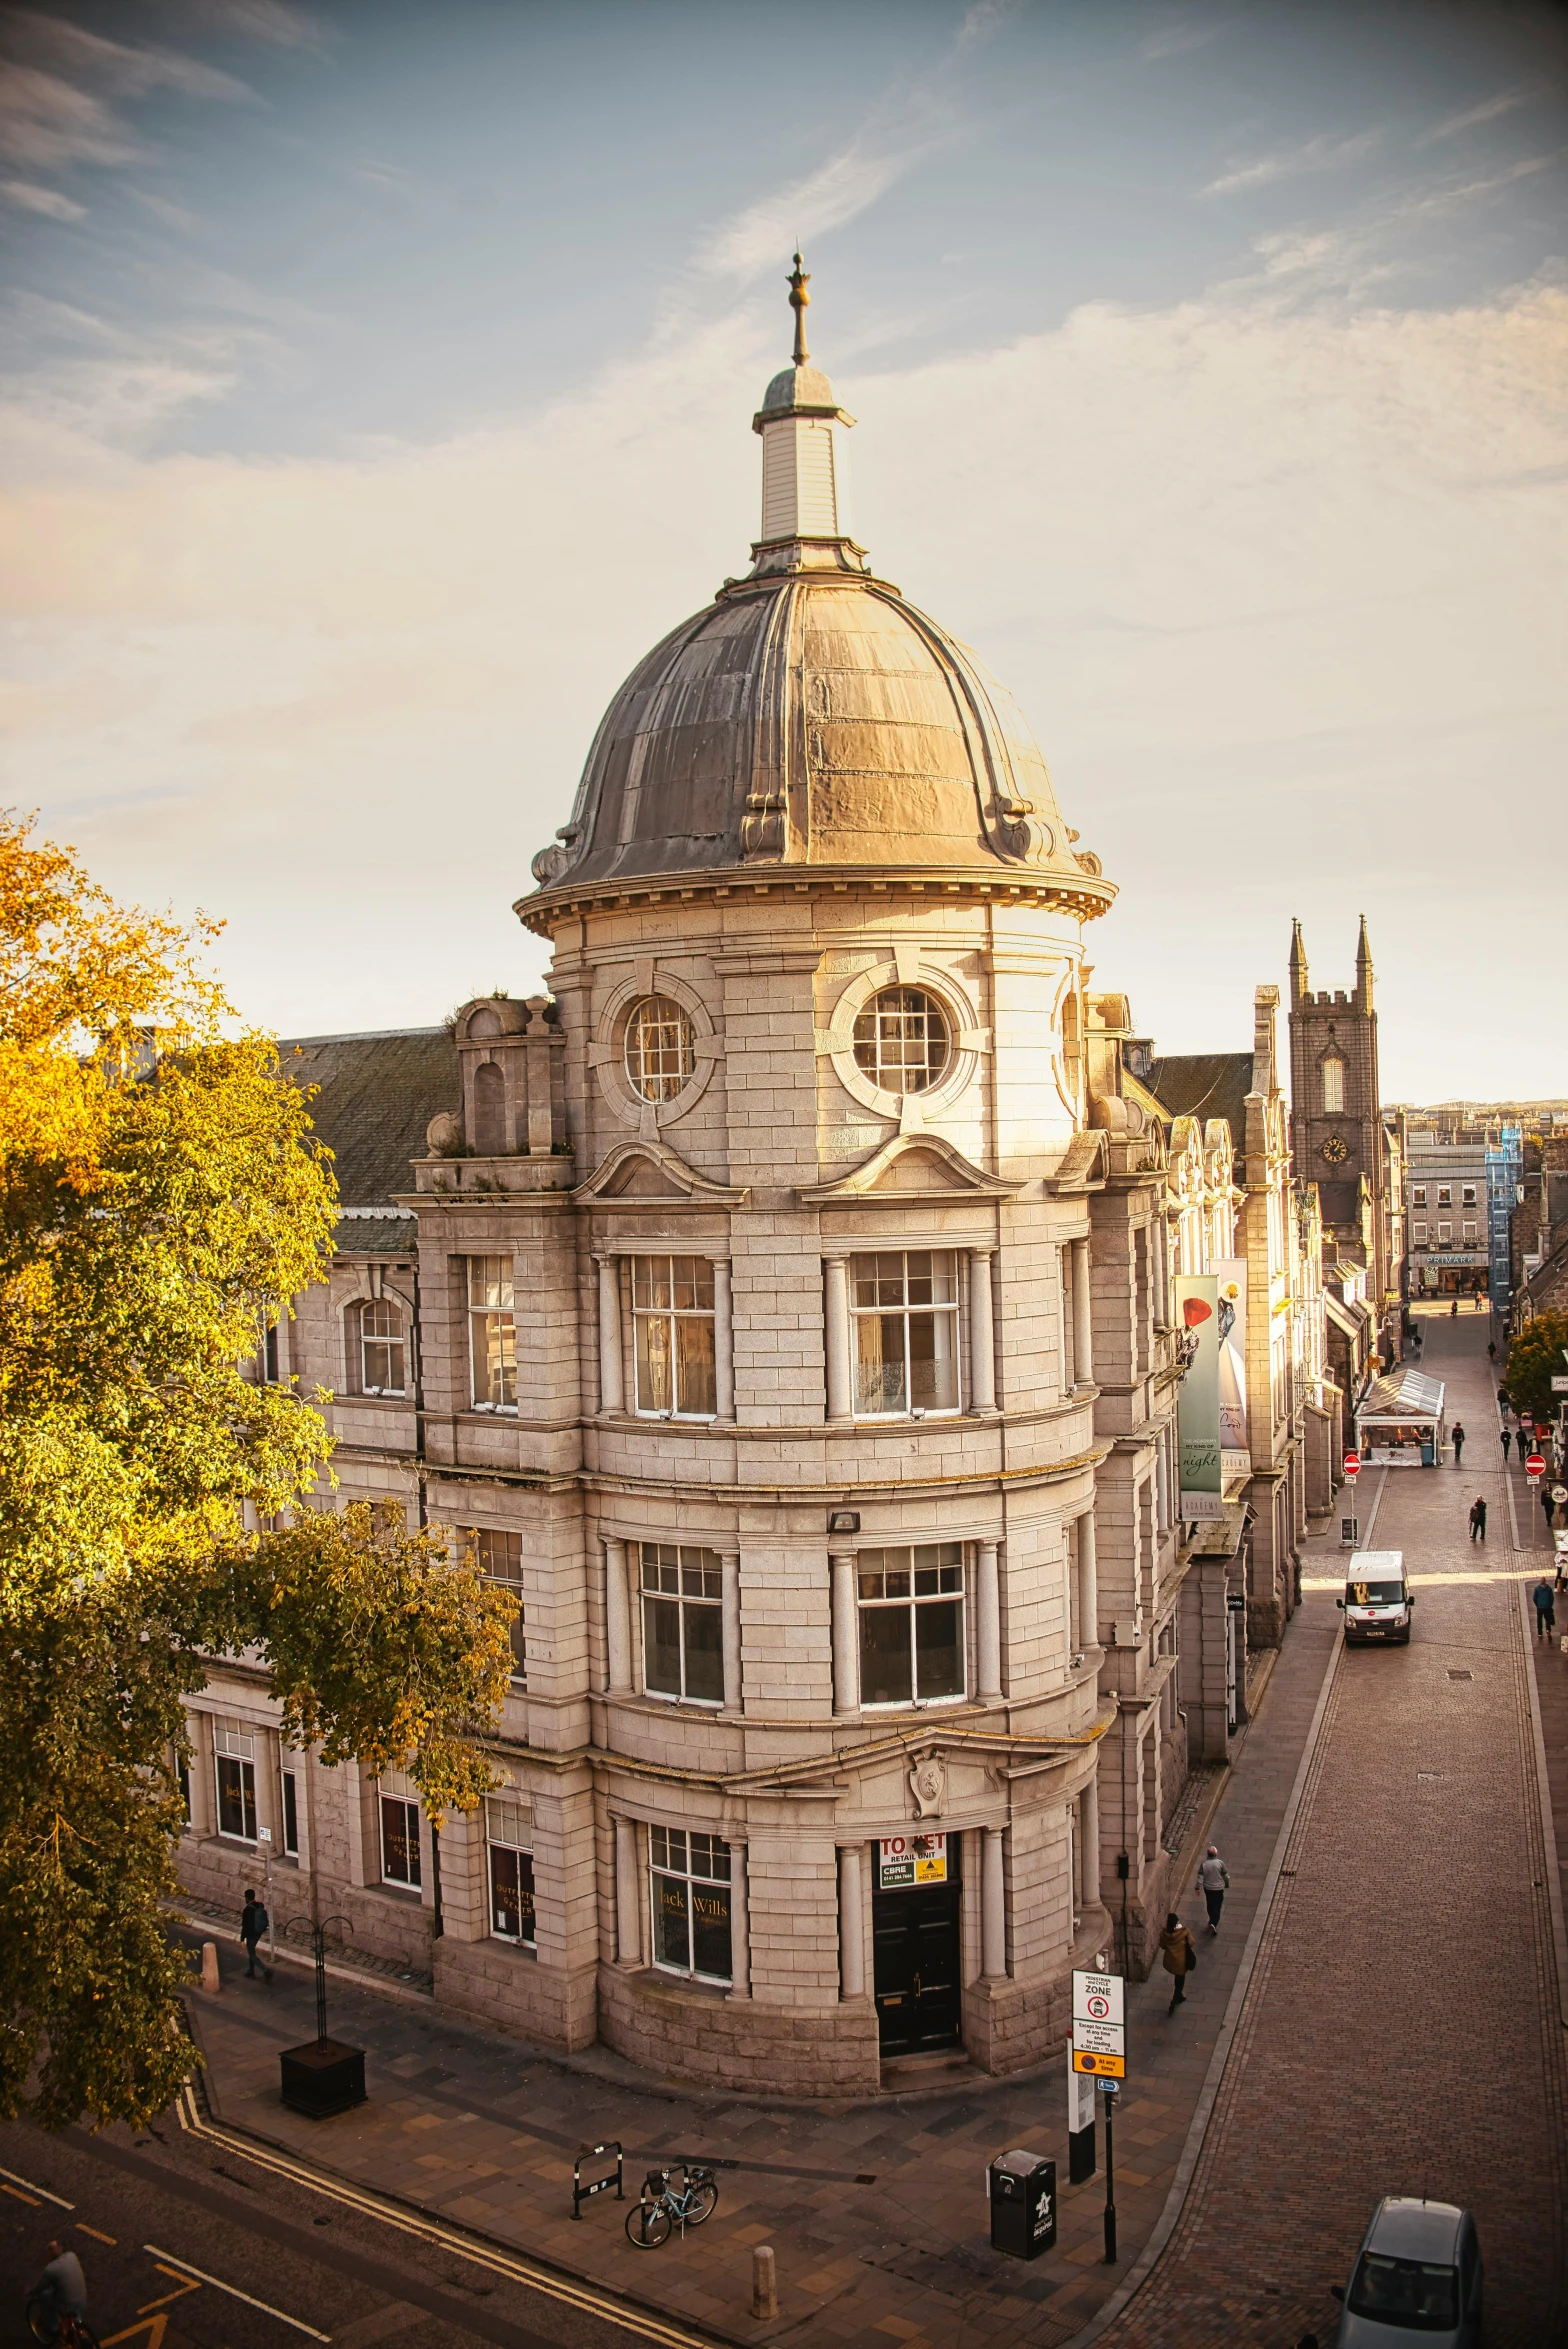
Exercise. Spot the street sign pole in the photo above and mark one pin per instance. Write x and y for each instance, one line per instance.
(1109, 2088)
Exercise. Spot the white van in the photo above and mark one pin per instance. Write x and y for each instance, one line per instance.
(1377, 1600)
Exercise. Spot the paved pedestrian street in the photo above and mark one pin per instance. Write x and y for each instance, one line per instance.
(1399, 2030)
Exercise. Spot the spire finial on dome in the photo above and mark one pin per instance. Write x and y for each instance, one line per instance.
(799, 300)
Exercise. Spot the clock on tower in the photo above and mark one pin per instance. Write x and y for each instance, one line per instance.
(1336, 1150)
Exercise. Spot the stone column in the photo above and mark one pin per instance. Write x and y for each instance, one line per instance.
(846, 1636)
(628, 1896)
(841, 1393)
(1088, 1583)
(1089, 1843)
(993, 1908)
(612, 1386)
(1083, 1345)
(851, 1923)
(729, 1566)
(617, 1619)
(723, 1342)
(982, 1341)
(988, 1623)
(740, 1925)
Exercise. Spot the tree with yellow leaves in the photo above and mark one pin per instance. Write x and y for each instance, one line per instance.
(159, 1188)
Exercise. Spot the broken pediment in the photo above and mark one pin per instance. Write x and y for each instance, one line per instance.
(1083, 1167)
(647, 1174)
(910, 1166)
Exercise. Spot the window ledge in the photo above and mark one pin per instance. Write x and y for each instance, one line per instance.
(407, 1896)
(522, 1949)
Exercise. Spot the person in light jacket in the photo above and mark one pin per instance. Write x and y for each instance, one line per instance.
(1180, 1957)
(1213, 1883)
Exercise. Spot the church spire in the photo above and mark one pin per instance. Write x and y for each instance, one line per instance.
(1298, 964)
(1364, 968)
(805, 524)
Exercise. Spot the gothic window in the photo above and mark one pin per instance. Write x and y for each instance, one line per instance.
(1333, 1085)
(682, 1623)
(489, 1110)
(672, 1310)
(381, 1349)
(904, 1307)
(660, 1048)
(911, 1624)
(492, 1333)
(691, 1903)
(901, 1040)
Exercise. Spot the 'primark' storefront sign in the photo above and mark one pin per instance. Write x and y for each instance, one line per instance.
(1467, 1259)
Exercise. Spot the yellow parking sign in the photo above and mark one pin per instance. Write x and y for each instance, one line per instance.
(1110, 2067)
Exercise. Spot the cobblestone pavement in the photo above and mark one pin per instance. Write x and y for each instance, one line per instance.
(1402, 2031)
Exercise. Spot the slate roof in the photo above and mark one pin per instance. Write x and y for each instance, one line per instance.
(376, 1095)
(1205, 1085)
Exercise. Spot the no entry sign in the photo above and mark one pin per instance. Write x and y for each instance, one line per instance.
(1352, 1463)
(1535, 1466)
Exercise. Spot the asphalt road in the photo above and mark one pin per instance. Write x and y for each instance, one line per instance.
(186, 2247)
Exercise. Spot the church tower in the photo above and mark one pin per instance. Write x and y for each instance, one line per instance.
(1336, 1109)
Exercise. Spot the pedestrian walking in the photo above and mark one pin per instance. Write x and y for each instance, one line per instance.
(1548, 1505)
(1545, 1598)
(1478, 1519)
(1213, 1883)
(1459, 1443)
(1507, 1440)
(1180, 1958)
(1491, 1349)
(253, 1923)
(1453, 1310)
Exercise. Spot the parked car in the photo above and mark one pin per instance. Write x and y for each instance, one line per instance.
(1377, 1600)
(1417, 2279)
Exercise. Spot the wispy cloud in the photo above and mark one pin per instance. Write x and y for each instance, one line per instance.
(47, 124)
(1321, 154)
(825, 199)
(1487, 111)
(982, 18)
(276, 21)
(27, 197)
(57, 45)
(1174, 40)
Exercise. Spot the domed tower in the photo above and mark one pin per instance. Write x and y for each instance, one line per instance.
(806, 1340)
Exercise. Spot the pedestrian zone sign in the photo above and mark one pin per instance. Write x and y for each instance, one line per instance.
(1099, 2025)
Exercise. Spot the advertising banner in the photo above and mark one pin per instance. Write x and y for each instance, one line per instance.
(911, 1859)
(1235, 1449)
(1198, 1397)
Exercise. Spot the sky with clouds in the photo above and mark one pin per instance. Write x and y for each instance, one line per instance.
(378, 388)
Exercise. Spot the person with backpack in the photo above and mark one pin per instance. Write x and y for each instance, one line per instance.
(253, 1923)
(1180, 1957)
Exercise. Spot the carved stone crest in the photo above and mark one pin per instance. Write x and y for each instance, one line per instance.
(928, 1785)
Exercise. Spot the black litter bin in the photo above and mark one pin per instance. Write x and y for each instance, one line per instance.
(1023, 2204)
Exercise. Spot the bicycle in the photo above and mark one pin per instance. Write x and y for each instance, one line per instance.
(651, 2221)
(59, 2328)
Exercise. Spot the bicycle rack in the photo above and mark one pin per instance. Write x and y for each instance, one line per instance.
(617, 2179)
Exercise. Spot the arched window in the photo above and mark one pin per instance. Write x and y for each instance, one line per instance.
(489, 1110)
(1333, 1085)
(660, 1048)
(381, 1348)
(901, 1040)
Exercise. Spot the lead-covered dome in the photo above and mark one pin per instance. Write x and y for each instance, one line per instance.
(811, 717)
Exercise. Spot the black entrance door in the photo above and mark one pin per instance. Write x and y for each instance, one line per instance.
(915, 1934)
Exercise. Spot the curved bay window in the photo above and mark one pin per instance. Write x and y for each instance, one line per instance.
(904, 1309)
(672, 1308)
(901, 1040)
(661, 1052)
(382, 1350)
(690, 1876)
(682, 1623)
(911, 1604)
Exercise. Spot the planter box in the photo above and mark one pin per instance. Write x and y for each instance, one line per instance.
(322, 2077)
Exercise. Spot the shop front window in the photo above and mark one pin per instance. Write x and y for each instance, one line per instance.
(509, 1845)
(234, 1753)
(691, 1903)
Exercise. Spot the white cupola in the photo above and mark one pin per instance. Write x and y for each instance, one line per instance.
(805, 502)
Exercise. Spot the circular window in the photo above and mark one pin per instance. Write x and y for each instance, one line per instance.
(901, 1040)
(659, 1050)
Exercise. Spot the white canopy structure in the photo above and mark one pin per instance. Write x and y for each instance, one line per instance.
(1399, 1420)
